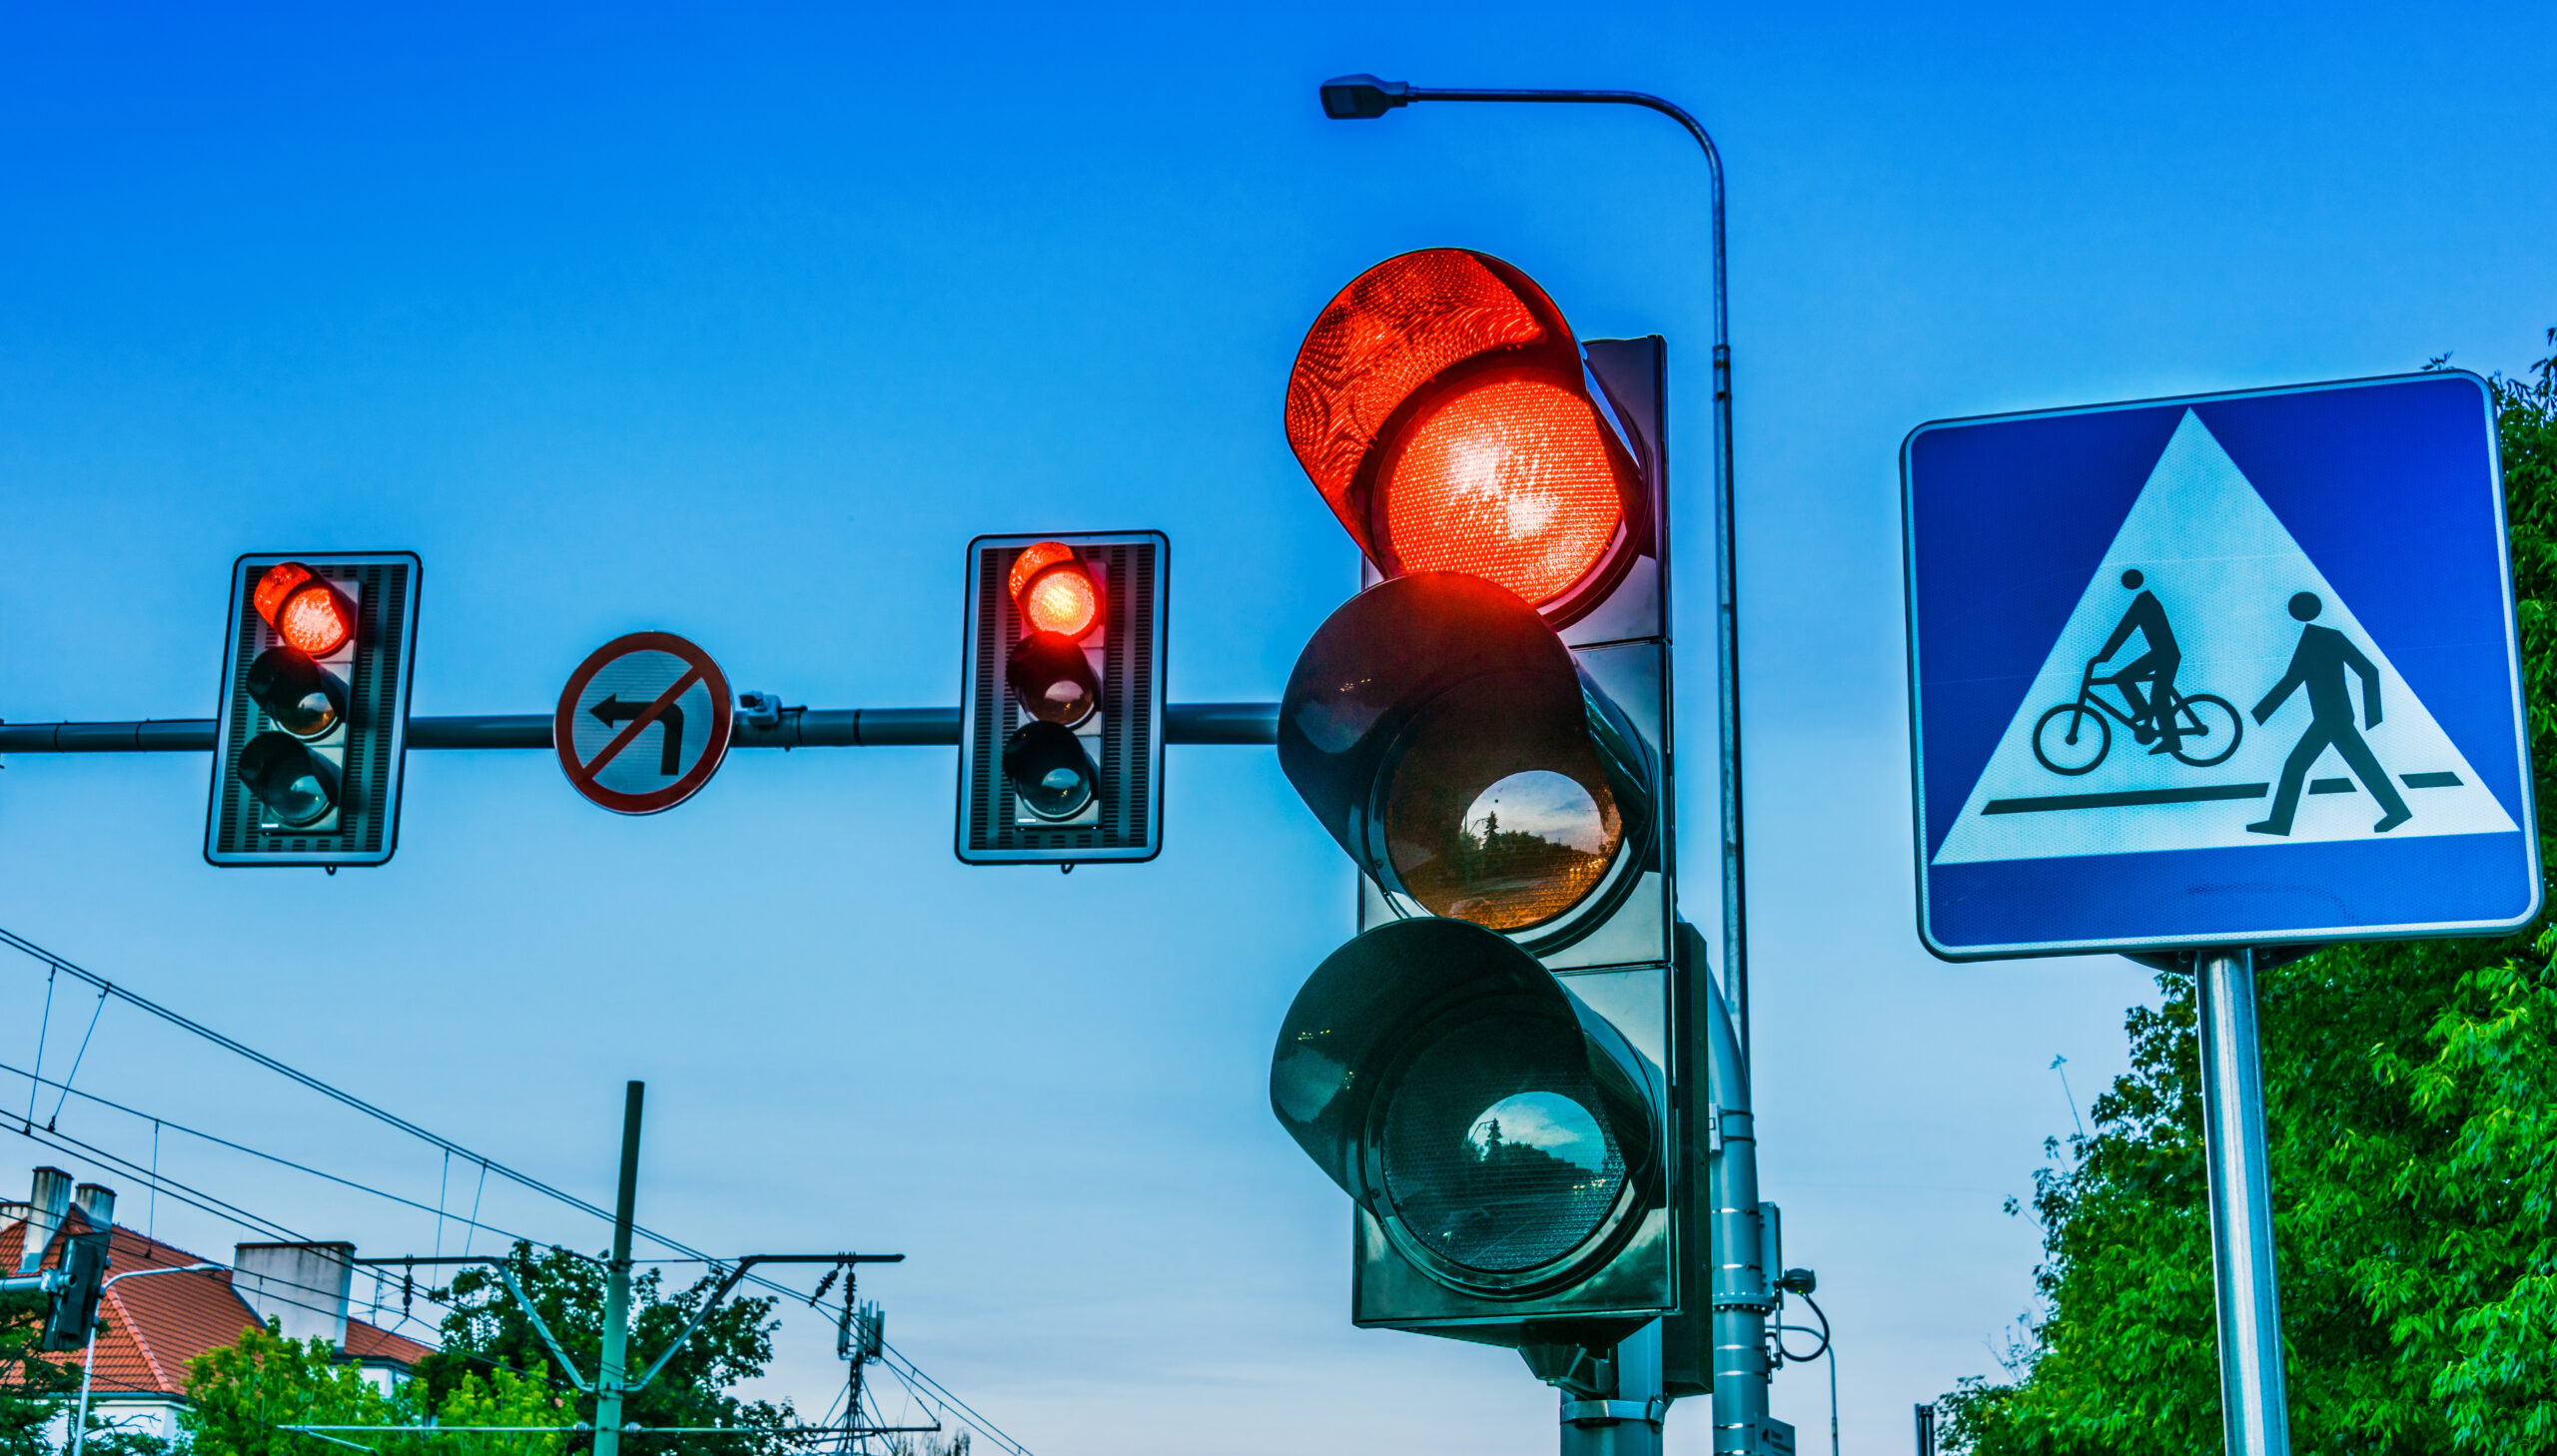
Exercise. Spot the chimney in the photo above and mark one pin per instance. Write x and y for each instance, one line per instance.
(47, 1203)
(300, 1286)
(97, 1206)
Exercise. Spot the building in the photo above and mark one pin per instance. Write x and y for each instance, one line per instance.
(152, 1327)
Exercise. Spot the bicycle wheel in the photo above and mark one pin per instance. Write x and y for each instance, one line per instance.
(2215, 727)
(2072, 749)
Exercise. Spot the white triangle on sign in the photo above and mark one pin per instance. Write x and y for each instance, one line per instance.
(2227, 572)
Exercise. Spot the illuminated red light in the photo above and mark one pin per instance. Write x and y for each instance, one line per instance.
(1440, 406)
(314, 619)
(273, 587)
(1511, 481)
(1053, 591)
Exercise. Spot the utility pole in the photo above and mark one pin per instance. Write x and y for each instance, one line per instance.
(616, 1301)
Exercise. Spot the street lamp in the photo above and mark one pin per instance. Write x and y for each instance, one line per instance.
(88, 1357)
(1364, 98)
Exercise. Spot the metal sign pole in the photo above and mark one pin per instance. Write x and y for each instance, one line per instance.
(2255, 1415)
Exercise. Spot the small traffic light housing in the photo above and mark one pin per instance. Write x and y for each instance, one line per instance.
(1497, 1070)
(313, 723)
(74, 1309)
(1061, 699)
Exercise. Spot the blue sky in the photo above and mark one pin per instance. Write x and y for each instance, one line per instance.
(740, 325)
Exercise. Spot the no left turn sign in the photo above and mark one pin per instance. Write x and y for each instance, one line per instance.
(643, 723)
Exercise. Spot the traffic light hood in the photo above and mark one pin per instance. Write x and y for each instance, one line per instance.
(1440, 406)
(1448, 741)
(1361, 1036)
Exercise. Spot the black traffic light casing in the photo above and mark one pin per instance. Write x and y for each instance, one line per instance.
(1475, 754)
(1062, 699)
(74, 1309)
(309, 746)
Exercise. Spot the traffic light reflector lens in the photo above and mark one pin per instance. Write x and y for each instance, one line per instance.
(1053, 591)
(1049, 770)
(316, 618)
(1491, 1155)
(304, 698)
(1508, 831)
(1509, 480)
(299, 785)
(1052, 679)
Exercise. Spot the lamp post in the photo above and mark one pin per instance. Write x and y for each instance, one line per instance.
(1363, 98)
(89, 1356)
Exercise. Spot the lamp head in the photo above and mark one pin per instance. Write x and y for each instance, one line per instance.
(1363, 97)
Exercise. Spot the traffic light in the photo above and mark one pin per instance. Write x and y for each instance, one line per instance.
(1061, 707)
(74, 1309)
(308, 744)
(1496, 1069)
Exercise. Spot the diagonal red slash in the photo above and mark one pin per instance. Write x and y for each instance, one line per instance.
(639, 725)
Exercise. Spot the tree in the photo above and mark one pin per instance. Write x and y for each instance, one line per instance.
(242, 1396)
(733, 1344)
(2411, 1127)
(31, 1387)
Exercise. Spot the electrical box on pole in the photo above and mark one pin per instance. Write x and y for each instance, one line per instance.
(1497, 1069)
(1061, 712)
(312, 724)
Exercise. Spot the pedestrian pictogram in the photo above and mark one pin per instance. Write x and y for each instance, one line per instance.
(2228, 670)
(643, 723)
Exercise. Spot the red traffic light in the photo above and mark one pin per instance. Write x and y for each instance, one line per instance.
(1053, 590)
(1438, 404)
(312, 616)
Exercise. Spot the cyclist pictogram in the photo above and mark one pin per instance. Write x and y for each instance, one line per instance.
(2072, 738)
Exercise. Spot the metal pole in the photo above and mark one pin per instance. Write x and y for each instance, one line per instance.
(1741, 1297)
(2253, 1411)
(1628, 1423)
(1735, 917)
(89, 1356)
(794, 728)
(616, 1301)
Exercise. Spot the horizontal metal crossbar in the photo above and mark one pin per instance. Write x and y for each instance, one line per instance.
(794, 728)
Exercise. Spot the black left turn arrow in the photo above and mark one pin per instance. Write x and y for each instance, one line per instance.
(670, 759)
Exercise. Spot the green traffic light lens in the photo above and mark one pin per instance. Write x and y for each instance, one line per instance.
(299, 785)
(304, 698)
(1049, 771)
(1493, 1153)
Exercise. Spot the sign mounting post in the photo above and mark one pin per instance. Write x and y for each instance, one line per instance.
(2196, 676)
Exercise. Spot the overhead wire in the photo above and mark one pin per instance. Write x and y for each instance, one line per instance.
(932, 1391)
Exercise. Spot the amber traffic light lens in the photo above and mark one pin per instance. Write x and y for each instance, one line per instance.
(299, 785)
(304, 698)
(1052, 679)
(1505, 831)
(1508, 481)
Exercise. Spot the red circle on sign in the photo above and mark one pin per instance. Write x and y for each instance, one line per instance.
(639, 719)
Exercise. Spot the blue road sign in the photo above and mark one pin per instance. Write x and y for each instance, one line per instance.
(2228, 670)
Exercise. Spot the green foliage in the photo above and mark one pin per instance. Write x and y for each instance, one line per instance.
(734, 1344)
(31, 1388)
(240, 1396)
(2411, 1118)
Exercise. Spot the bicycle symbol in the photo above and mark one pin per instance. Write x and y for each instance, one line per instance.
(2085, 735)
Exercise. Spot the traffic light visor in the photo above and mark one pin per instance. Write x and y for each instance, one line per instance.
(1049, 769)
(311, 615)
(1447, 739)
(1500, 1127)
(1438, 404)
(299, 785)
(1052, 679)
(304, 698)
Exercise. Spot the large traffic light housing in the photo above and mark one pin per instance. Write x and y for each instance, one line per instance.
(1497, 1071)
(310, 737)
(1061, 699)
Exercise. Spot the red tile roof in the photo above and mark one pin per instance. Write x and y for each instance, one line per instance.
(155, 1327)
